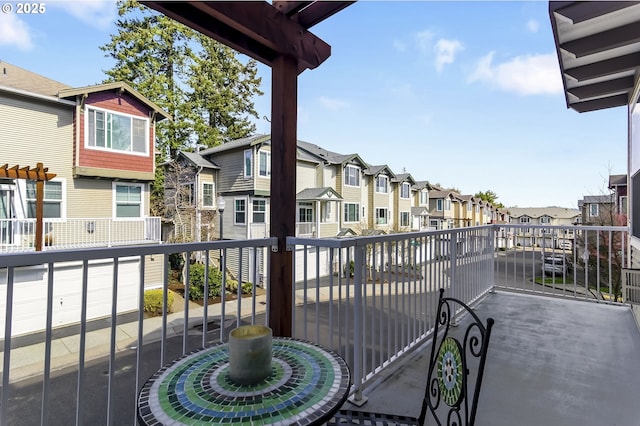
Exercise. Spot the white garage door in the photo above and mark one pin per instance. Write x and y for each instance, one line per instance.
(30, 293)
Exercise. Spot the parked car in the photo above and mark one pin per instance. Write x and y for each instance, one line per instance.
(565, 245)
(557, 264)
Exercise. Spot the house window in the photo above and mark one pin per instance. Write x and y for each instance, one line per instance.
(447, 204)
(207, 194)
(593, 210)
(305, 212)
(469, 206)
(623, 205)
(352, 176)
(382, 184)
(433, 224)
(351, 212)
(118, 132)
(186, 195)
(259, 211)
(405, 190)
(439, 205)
(240, 211)
(545, 220)
(264, 163)
(128, 200)
(424, 197)
(248, 163)
(404, 218)
(52, 199)
(381, 216)
(525, 219)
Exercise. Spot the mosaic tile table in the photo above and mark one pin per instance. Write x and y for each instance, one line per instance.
(308, 384)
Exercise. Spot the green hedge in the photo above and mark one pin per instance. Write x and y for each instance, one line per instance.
(196, 280)
(232, 285)
(153, 301)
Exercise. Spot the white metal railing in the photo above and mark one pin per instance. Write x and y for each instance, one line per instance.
(18, 235)
(372, 299)
(571, 261)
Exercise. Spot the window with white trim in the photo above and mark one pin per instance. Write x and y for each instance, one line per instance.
(424, 197)
(404, 218)
(207, 194)
(117, 131)
(128, 200)
(53, 199)
(382, 184)
(525, 219)
(239, 211)
(186, 195)
(305, 212)
(405, 190)
(382, 216)
(434, 224)
(264, 163)
(447, 204)
(545, 219)
(439, 205)
(351, 175)
(351, 212)
(326, 209)
(469, 207)
(248, 163)
(593, 210)
(259, 211)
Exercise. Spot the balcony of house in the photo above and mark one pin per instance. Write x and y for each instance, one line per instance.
(18, 235)
(563, 350)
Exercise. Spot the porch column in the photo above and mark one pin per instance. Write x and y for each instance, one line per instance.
(284, 110)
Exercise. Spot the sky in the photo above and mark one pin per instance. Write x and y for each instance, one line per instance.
(464, 94)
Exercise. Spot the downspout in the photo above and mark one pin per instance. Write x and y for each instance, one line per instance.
(196, 195)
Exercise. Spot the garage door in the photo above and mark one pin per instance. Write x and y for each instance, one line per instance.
(30, 293)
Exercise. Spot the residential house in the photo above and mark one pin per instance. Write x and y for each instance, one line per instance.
(468, 205)
(380, 186)
(598, 209)
(402, 189)
(618, 185)
(441, 208)
(546, 216)
(99, 143)
(420, 206)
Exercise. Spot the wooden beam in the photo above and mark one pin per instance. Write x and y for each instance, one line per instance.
(17, 172)
(607, 67)
(580, 11)
(603, 41)
(290, 8)
(254, 28)
(39, 213)
(318, 11)
(604, 88)
(284, 109)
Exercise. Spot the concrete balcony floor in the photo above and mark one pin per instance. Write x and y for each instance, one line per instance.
(551, 362)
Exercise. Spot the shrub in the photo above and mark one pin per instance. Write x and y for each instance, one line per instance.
(196, 280)
(153, 301)
(232, 286)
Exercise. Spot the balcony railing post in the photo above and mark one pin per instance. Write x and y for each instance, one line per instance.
(358, 324)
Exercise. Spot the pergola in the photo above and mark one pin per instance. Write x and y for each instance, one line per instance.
(276, 34)
(40, 175)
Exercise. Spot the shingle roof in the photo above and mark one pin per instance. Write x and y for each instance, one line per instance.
(403, 177)
(598, 199)
(535, 212)
(237, 143)
(318, 194)
(617, 180)
(198, 160)
(18, 78)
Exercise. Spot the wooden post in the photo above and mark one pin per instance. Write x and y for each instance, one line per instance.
(284, 110)
(39, 213)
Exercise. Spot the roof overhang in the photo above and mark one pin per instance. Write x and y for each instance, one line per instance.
(598, 48)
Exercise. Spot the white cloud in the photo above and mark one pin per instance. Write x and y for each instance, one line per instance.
(533, 25)
(333, 104)
(14, 32)
(445, 52)
(524, 75)
(97, 13)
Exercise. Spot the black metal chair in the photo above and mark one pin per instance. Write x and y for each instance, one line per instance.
(447, 394)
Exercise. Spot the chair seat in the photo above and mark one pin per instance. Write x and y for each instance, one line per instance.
(352, 417)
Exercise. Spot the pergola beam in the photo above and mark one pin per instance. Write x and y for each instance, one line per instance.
(256, 29)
